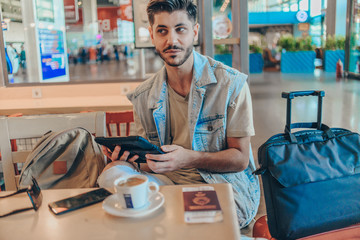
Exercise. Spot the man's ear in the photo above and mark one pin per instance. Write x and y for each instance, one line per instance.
(196, 31)
(151, 34)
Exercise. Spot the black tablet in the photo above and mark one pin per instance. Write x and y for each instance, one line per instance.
(136, 145)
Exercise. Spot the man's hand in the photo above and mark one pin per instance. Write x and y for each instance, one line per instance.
(114, 156)
(233, 159)
(176, 157)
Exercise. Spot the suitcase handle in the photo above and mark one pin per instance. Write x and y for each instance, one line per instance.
(329, 133)
(291, 95)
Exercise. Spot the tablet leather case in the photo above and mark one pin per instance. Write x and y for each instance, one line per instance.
(136, 145)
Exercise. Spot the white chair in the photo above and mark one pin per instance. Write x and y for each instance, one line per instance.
(35, 127)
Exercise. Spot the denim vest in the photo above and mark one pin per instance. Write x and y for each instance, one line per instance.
(214, 89)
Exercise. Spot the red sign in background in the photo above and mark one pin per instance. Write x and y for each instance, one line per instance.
(108, 16)
(70, 8)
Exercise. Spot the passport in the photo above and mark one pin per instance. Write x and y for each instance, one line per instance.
(201, 201)
(201, 205)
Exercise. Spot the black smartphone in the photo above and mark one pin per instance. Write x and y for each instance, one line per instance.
(136, 145)
(78, 201)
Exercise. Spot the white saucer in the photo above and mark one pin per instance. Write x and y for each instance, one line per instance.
(112, 206)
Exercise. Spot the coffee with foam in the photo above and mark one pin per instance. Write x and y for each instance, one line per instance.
(130, 182)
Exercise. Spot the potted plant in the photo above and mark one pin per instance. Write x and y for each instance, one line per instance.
(298, 55)
(334, 50)
(256, 60)
(223, 54)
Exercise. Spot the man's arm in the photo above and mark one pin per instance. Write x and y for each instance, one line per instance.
(233, 159)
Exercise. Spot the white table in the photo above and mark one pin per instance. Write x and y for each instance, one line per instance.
(94, 223)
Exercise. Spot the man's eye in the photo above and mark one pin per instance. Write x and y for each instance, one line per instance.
(161, 31)
(181, 29)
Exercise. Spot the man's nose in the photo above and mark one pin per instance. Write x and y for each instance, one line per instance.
(172, 38)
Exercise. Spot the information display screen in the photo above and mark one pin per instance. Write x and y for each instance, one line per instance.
(52, 53)
(45, 10)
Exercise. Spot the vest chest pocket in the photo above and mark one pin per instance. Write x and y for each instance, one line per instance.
(153, 138)
(209, 135)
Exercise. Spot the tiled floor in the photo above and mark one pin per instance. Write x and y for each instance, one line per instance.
(341, 104)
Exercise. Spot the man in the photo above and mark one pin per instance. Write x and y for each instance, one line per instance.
(197, 109)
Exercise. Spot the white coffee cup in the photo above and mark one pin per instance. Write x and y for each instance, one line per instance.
(134, 191)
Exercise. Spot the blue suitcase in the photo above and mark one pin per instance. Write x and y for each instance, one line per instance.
(311, 178)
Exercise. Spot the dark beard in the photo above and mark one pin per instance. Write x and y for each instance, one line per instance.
(188, 52)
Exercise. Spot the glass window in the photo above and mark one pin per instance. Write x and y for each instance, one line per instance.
(304, 5)
(354, 60)
(316, 8)
(222, 29)
(221, 20)
(72, 41)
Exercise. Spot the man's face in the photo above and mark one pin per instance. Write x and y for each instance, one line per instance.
(173, 35)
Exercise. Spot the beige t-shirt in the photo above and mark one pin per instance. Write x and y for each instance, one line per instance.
(240, 115)
(180, 135)
(239, 119)
(239, 124)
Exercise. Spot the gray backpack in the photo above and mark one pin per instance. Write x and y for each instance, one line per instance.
(66, 159)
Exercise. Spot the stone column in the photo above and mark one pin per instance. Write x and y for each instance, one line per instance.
(90, 19)
(336, 18)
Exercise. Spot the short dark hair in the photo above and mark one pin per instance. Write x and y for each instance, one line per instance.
(156, 6)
